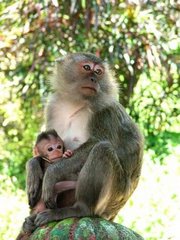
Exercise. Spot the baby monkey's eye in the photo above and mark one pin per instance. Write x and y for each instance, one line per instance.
(87, 67)
(50, 149)
(59, 147)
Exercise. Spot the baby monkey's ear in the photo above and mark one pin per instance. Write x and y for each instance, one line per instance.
(35, 151)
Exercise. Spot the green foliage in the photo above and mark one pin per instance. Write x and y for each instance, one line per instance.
(162, 145)
(154, 103)
(139, 39)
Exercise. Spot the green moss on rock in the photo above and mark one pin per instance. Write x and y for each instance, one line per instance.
(84, 229)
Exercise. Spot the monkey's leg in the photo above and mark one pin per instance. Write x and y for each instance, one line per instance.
(96, 184)
(100, 181)
(64, 186)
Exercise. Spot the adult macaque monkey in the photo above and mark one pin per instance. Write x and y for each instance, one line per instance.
(107, 144)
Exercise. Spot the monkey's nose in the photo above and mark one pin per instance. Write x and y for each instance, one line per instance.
(93, 79)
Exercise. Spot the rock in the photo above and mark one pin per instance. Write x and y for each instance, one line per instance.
(84, 229)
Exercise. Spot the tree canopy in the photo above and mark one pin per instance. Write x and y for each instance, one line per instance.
(138, 38)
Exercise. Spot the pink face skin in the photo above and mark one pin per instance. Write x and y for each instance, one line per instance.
(93, 72)
(93, 67)
(50, 149)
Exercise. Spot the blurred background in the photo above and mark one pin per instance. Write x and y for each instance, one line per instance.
(141, 41)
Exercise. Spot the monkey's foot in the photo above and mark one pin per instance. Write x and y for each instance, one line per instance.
(29, 225)
(46, 216)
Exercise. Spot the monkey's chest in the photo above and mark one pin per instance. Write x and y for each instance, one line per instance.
(75, 132)
(72, 127)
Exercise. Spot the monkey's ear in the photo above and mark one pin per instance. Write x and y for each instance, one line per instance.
(35, 151)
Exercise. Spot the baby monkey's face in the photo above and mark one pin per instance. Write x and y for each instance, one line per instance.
(51, 148)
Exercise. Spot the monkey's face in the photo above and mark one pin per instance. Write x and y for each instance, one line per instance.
(84, 76)
(90, 74)
(51, 148)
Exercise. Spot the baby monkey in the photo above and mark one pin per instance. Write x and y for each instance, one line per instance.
(48, 149)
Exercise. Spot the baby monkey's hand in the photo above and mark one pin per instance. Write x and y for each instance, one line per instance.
(68, 153)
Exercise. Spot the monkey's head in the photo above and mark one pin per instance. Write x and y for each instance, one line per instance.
(84, 76)
(48, 145)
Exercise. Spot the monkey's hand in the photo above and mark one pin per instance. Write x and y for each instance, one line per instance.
(46, 216)
(34, 180)
(68, 153)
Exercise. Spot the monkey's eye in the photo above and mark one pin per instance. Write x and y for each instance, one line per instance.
(50, 149)
(87, 67)
(98, 71)
(59, 147)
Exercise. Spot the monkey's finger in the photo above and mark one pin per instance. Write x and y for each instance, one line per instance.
(28, 225)
(68, 153)
(31, 200)
(33, 193)
(43, 218)
(50, 203)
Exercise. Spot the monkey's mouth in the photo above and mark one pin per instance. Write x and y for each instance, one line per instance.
(89, 88)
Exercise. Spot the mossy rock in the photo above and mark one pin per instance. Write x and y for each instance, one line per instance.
(84, 229)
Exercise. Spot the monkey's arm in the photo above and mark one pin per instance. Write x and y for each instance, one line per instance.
(34, 180)
(115, 126)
